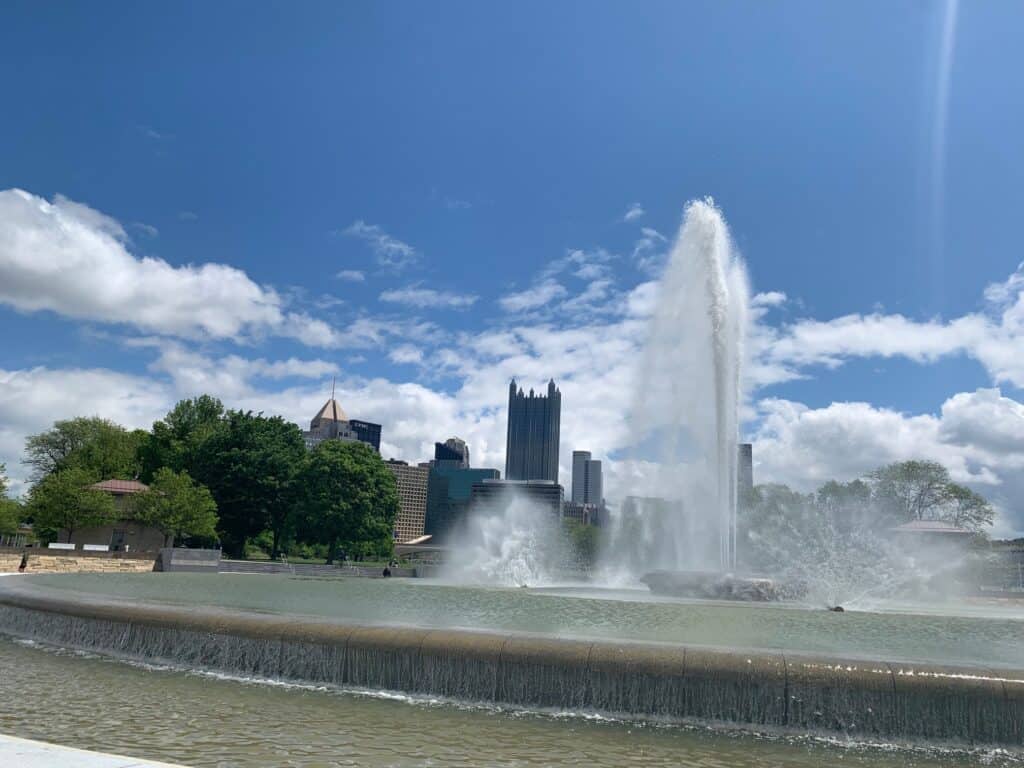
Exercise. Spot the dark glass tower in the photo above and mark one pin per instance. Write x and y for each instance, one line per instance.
(531, 449)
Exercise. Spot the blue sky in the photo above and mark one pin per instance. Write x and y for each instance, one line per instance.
(447, 159)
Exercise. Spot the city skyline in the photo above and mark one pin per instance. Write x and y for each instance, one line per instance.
(179, 231)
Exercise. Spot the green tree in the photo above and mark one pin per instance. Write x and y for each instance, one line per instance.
(10, 516)
(351, 499)
(967, 509)
(584, 541)
(177, 439)
(911, 490)
(845, 504)
(10, 510)
(252, 465)
(63, 502)
(177, 507)
(97, 446)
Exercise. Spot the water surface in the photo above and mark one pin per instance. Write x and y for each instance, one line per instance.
(984, 634)
(211, 721)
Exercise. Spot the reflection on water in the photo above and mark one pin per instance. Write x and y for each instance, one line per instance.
(992, 636)
(210, 722)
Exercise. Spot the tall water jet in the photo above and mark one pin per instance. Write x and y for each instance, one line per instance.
(686, 408)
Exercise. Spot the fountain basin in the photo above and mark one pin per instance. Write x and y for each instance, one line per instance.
(678, 682)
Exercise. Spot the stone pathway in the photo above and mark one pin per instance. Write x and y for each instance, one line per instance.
(37, 754)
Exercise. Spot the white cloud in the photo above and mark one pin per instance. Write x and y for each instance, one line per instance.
(70, 259)
(414, 296)
(351, 276)
(147, 229)
(634, 212)
(188, 216)
(804, 447)
(768, 299)
(406, 353)
(32, 399)
(533, 298)
(391, 252)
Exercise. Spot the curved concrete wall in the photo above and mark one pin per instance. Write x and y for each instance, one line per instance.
(876, 699)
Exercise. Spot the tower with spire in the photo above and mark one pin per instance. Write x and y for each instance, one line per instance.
(534, 423)
(332, 423)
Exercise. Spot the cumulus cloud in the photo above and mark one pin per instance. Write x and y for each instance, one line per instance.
(978, 436)
(768, 299)
(534, 297)
(994, 337)
(68, 258)
(634, 212)
(414, 296)
(390, 252)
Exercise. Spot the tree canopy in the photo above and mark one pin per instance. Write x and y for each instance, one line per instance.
(252, 465)
(62, 502)
(177, 439)
(98, 447)
(351, 499)
(177, 507)
(910, 490)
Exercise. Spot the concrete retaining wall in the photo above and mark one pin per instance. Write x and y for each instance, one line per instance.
(861, 698)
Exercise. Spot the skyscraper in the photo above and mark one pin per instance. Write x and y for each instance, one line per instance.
(587, 484)
(531, 448)
(453, 452)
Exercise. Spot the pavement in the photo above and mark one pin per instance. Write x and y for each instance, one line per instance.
(24, 753)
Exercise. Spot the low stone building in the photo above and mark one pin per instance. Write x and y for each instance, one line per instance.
(124, 535)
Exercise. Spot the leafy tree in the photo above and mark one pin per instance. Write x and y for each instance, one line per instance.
(63, 501)
(351, 499)
(97, 446)
(911, 490)
(10, 516)
(252, 465)
(584, 540)
(967, 509)
(10, 510)
(845, 504)
(177, 507)
(177, 439)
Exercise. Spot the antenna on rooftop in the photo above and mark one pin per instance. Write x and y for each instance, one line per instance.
(334, 380)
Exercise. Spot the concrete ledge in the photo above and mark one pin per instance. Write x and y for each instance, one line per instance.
(869, 698)
(25, 753)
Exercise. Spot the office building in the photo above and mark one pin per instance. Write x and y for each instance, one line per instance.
(584, 514)
(412, 499)
(744, 475)
(449, 489)
(453, 452)
(366, 432)
(331, 423)
(531, 446)
(587, 485)
(495, 495)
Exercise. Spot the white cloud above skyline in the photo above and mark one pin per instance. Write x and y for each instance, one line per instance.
(633, 212)
(391, 253)
(423, 298)
(351, 275)
(577, 323)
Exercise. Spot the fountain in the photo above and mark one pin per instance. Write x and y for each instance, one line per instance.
(689, 390)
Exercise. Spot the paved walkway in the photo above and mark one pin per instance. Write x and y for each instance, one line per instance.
(37, 754)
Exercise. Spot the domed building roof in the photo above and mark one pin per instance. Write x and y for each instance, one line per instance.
(330, 412)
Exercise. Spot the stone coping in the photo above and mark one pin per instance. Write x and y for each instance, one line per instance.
(975, 704)
(26, 753)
